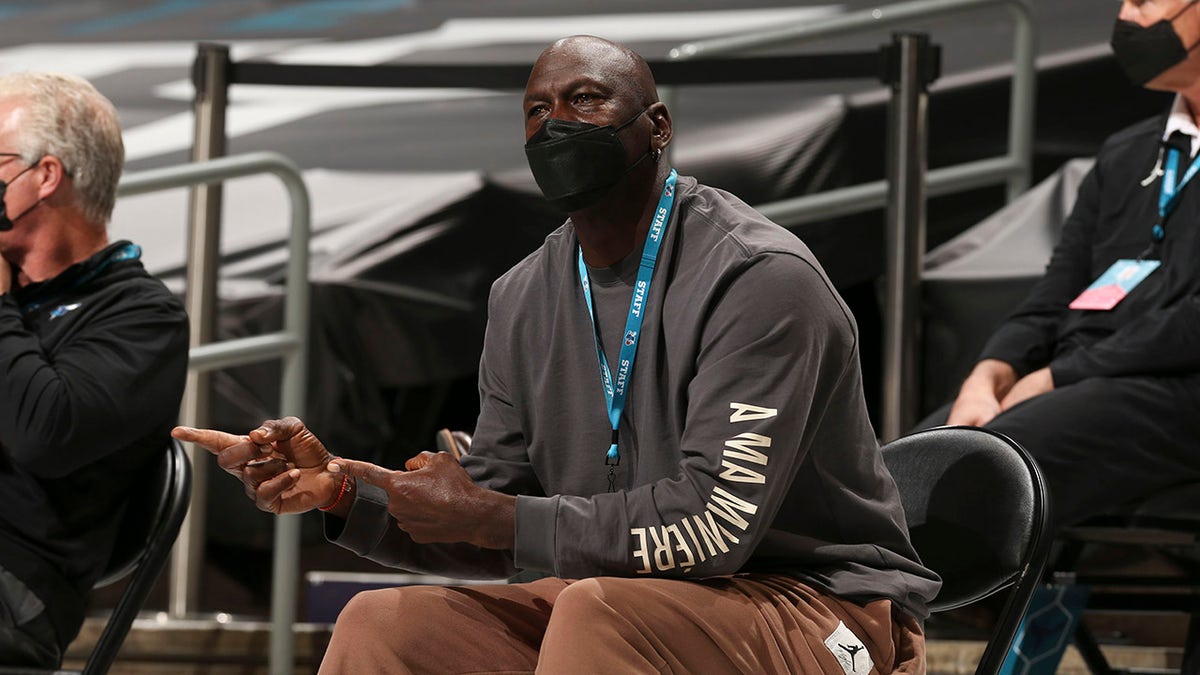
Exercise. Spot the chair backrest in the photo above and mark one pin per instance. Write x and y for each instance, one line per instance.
(143, 543)
(976, 510)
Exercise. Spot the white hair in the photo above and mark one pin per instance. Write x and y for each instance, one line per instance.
(67, 118)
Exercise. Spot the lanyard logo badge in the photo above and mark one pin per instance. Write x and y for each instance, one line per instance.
(630, 338)
(61, 310)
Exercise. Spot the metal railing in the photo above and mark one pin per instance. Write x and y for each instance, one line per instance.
(1015, 167)
(906, 217)
(290, 343)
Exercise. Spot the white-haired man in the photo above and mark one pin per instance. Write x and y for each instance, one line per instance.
(93, 353)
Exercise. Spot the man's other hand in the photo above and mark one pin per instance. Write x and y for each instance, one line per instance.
(1034, 384)
(281, 464)
(435, 501)
(979, 400)
(973, 410)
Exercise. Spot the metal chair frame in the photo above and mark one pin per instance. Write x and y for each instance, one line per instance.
(951, 481)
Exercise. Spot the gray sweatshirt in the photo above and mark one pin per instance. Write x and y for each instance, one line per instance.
(745, 444)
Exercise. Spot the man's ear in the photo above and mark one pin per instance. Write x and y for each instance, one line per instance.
(51, 174)
(660, 117)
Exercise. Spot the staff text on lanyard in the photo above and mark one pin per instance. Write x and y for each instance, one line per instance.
(615, 392)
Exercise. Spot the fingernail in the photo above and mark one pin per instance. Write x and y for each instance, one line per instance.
(334, 468)
(263, 449)
(294, 473)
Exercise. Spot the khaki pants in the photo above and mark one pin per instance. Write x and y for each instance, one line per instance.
(748, 623)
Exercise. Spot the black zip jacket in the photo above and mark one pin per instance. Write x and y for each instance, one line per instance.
(92, 369)
(1156, 329)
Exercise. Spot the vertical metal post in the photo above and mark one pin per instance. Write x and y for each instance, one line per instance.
(209, 75)
(285, 574)
(1022, 104)
(912, 64)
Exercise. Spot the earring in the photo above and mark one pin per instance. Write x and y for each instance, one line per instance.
(655, 153)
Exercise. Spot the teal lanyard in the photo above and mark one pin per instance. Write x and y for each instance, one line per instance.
(615, 392)
(1168, 197)
(126, 252)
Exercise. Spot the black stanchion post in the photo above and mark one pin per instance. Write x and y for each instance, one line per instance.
(911, 63)
(210, 77)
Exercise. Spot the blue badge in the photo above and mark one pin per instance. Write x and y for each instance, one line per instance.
(61, 310)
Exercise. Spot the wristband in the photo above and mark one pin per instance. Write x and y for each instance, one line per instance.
(341, 493)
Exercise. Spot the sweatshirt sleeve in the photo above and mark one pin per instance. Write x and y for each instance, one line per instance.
(1026, 340)
(93, 396)
(774, 345)
(370, 531)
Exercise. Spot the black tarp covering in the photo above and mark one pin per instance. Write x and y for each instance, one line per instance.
(397, 303)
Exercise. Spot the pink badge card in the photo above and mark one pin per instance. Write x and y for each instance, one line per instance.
(1116, 282)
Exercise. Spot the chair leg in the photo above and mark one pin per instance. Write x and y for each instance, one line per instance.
(1065, 556)
(1191, 648)
(1085, 642)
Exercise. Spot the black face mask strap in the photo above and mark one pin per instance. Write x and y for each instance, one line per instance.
(639, 160)
(631, 120)
(1186, 6)
(1178, 14)
(6, 223)
(649, 153)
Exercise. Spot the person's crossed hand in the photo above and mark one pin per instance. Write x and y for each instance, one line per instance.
(435, 501)
(286, 469)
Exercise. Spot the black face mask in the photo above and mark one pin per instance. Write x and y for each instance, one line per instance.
(1146, 52)
(576, 163)
(6, 223)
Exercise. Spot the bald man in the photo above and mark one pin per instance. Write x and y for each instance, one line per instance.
(672, 430)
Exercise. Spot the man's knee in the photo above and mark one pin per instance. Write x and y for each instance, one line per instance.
(581, 600)
(363, 610)
(405, 614)
(596, 600)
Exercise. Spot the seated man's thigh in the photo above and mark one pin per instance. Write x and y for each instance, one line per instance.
(1105, 441)
(742, 624)
(442, 629)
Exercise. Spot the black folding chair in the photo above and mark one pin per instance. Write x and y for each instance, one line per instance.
(976, 510)
(143, 543)
(1167, 525)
